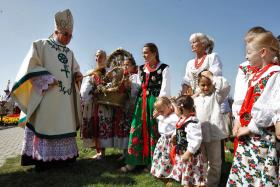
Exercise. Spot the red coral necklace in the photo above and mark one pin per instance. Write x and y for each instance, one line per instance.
(198, 64)
(151, 69)
(259, 73)
(179, 123)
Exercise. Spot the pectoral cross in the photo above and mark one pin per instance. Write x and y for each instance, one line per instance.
(65, 70)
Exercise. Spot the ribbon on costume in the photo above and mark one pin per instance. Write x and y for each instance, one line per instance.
(144, 117)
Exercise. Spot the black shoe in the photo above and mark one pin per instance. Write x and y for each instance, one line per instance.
(41, 167)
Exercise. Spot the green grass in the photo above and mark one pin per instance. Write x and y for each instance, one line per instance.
(85, 172)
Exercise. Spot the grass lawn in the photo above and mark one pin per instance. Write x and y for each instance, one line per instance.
(84, 172)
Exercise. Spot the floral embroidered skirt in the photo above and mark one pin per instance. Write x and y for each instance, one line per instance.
(161, 166)
(106, 126)
(136, 144)
(47, 150)
(255, 162)
(190, 173)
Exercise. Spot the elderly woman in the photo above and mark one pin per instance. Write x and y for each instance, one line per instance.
(202, 45)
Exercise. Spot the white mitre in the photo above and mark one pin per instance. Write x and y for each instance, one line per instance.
(64, 20)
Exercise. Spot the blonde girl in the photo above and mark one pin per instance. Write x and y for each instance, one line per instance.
(255, 160)
(167, 119)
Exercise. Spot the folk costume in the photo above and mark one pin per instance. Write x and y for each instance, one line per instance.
(103, 125)
(161, 166)
(189, 138)
(255, 161)
(210, 62)
(144, 129)
(133, 93)
(90, 125)
(241, 85)
(51, 113)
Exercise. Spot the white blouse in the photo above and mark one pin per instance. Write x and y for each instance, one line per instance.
(240, 90)
(135, 86)
(86, 87)
(208, 110)
(266, 110)
(194, 135)
(211, 63)
(167, 125)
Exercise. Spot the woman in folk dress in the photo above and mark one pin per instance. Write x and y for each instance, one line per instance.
(155, 82)
(90, 126)
(202, 45)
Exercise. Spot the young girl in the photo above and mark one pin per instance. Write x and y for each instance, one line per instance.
(242, 78)
(161, 166)
(255, 160)
(131, 83)
(189, 167)
(213, 92)
(243, 73)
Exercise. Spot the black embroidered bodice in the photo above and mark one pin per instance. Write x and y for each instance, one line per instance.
(181, 138)
(155, 80)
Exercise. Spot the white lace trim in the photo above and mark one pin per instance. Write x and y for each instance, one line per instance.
(41, 83)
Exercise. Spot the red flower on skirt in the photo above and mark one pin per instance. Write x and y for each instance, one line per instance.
(130, 150)
(252, 165)
(231, 182)
(234, 170)
(153, 142)
(168, 171)
(134, 140)
(248, 176)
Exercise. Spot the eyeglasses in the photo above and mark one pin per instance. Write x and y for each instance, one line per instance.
(66, 34)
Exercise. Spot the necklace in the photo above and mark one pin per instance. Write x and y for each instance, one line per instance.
(179, 124)
(150, 67)
(253, 69)
(259, 73)
(198, 64)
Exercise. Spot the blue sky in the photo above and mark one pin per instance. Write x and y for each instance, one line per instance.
(109, 24)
